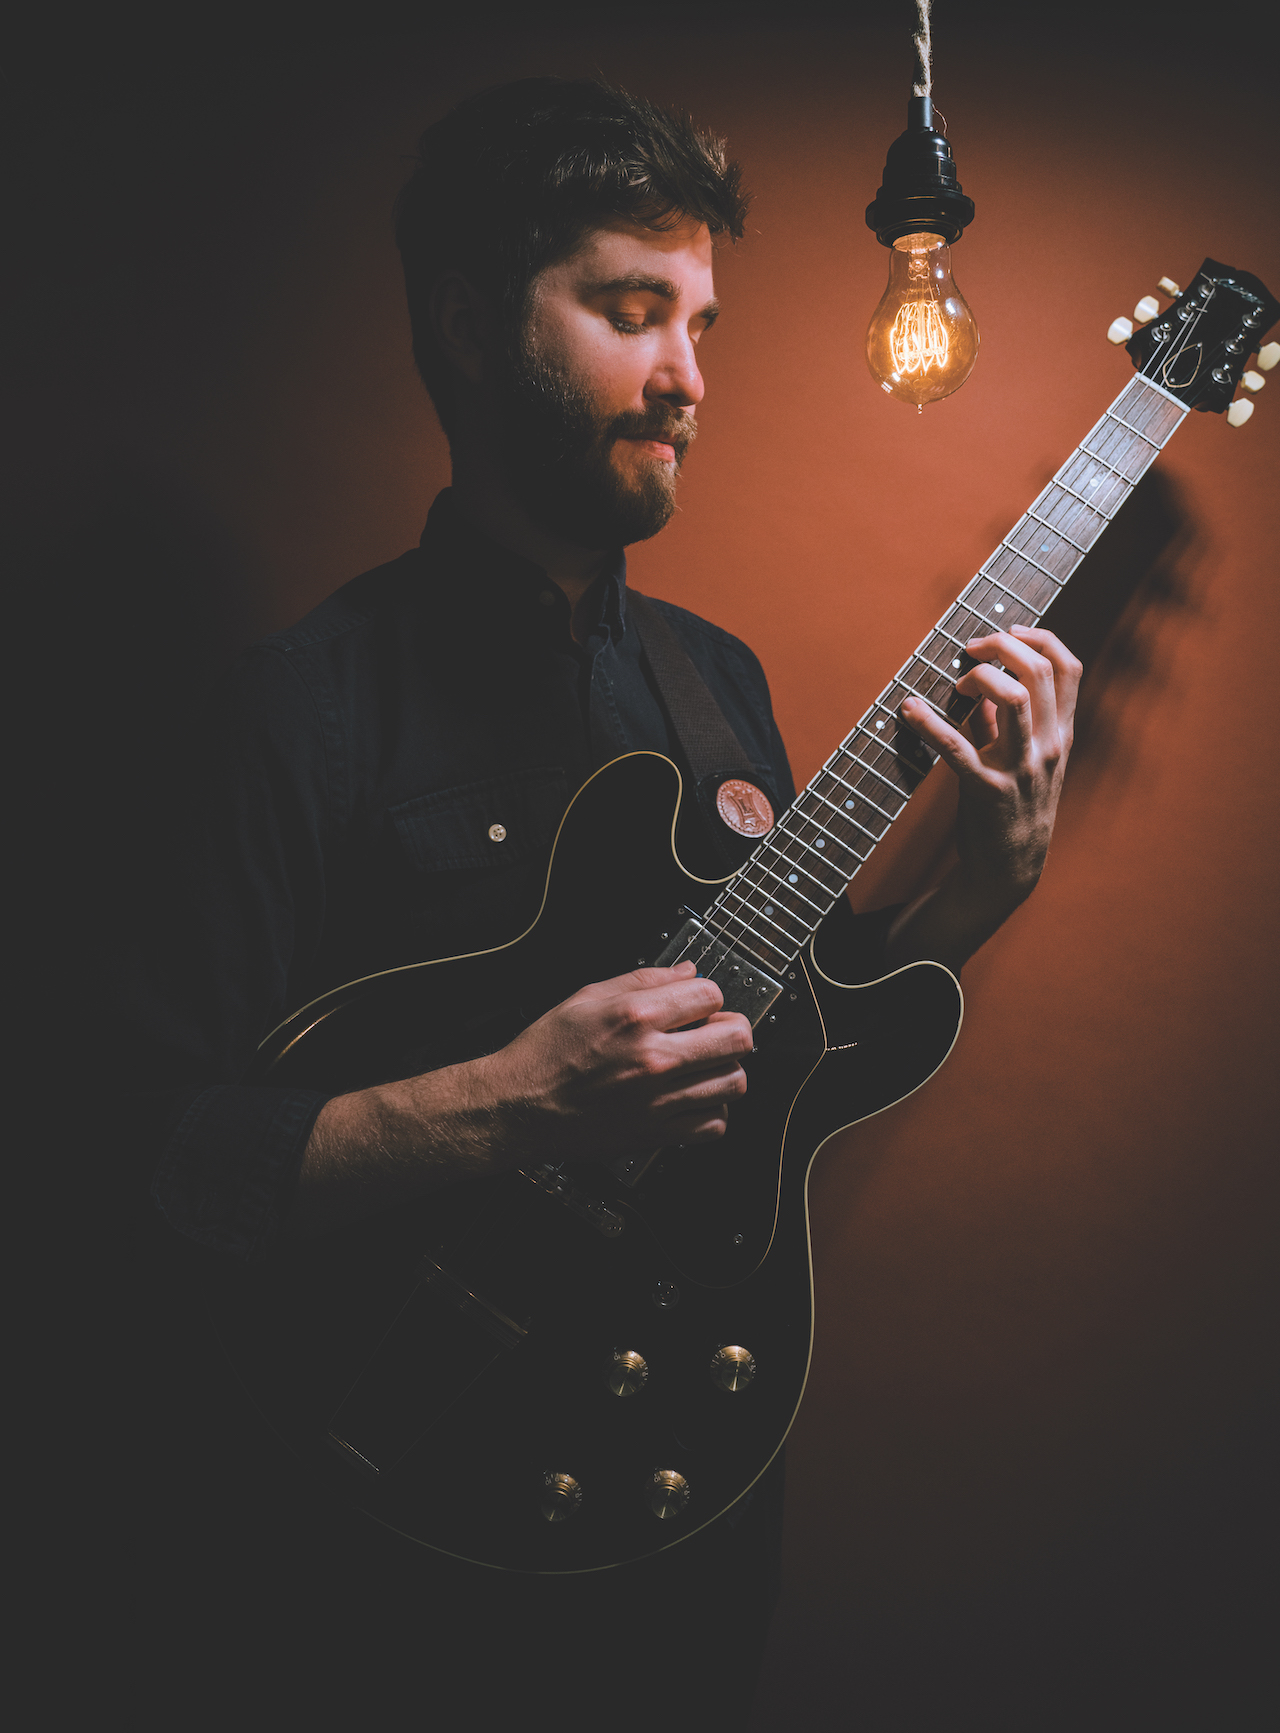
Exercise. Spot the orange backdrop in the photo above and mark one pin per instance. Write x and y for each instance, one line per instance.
(1045, 1309)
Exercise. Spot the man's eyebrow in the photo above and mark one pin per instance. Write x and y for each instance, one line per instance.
(663, 287)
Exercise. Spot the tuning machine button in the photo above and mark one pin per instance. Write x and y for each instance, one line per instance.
(1168, 287)
(1240, 411)
(1253, 381)
(561, 1496)
(732, 1368)
(1119, 330)
(668, 1493)
(1146, 310)
(1268, 355)
(627, 1372)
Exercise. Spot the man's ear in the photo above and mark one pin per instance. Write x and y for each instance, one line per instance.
(461, 325)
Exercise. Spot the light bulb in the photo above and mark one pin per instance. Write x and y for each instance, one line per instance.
(922, 341)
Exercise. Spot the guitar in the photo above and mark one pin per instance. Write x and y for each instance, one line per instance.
(581, 1364)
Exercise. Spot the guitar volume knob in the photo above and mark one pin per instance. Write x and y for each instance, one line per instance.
(732, 1368)
(627, 1372)
(668, 1493)
(561, 1496)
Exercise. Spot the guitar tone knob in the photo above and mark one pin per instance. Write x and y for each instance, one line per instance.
(668, 1493)
(732, 1368)
(561, 1496)
(627, 1372)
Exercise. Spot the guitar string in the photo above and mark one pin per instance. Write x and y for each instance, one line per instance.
(733, 929)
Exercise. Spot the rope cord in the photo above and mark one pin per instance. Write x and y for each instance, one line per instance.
(924, 48)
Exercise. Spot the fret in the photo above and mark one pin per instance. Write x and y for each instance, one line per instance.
(1033, 588)
(818, 844)
(791, 886)
(1010, 610)
(1147, 384)
(786, 889)
(1035, 516)
(850, 806)
(1106, 516)
(841, 813)
(1098, 485)
(831, 835)
(893, 785)
(1022, 554)
(767, 913)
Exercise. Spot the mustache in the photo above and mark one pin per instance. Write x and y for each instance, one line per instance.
(668, 427)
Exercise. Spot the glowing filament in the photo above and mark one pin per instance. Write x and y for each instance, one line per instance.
(919, 338)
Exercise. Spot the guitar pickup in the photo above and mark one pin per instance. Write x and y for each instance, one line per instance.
(746, 986)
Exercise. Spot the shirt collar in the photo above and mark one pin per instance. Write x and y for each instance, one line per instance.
(504, 585)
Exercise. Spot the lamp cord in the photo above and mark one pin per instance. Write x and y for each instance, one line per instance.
(924, 48)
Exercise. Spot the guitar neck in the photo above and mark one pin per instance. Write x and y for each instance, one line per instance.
(774, 904)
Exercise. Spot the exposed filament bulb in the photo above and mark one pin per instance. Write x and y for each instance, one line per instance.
(922, 341)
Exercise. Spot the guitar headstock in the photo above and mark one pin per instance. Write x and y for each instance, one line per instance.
(1199, 347)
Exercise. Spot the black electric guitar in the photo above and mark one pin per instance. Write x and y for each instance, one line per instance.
(580, 1364)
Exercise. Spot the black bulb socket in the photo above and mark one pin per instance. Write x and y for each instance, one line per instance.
(920, 193)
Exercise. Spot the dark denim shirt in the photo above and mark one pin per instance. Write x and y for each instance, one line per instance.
(338, 821)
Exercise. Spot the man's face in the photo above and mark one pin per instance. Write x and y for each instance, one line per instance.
(597, 406)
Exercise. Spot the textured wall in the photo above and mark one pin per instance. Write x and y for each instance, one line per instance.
(1026, 1479)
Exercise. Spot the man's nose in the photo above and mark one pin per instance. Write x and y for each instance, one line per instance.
(676, 377)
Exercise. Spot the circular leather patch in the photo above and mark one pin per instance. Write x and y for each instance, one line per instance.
(743, 807)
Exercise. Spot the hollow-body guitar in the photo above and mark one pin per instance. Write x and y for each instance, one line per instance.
(580, 1364)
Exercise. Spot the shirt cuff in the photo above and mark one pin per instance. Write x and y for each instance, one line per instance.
(227, 1171)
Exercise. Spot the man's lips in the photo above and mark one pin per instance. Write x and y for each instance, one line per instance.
(659, 448)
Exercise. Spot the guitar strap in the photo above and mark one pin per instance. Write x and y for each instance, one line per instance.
(727, 783)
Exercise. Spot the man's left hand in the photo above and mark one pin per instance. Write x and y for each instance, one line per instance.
(1010, 772)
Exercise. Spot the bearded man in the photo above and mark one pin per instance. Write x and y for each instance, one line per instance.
(382, 783)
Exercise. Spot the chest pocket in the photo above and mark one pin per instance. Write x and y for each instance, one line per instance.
(481, 827)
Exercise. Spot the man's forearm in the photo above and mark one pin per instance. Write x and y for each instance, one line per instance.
(381, 1146)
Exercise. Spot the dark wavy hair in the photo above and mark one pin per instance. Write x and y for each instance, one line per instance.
(513, 179)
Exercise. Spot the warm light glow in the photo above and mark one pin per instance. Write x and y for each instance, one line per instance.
(922, 341)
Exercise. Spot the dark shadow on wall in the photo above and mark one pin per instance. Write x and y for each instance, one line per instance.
(1141, 579)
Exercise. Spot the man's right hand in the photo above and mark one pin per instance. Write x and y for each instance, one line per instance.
(622, 1067)
(626, 1065)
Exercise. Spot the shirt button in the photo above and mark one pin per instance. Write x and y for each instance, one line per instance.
(548, 598)
(497, 833)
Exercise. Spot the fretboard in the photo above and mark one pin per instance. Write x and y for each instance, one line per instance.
(773, 905)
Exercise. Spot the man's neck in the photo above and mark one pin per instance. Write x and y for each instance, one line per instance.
(488, 507)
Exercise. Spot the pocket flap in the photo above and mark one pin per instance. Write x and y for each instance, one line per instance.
(499, 822)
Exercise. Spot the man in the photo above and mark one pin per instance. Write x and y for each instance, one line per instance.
(381, 784)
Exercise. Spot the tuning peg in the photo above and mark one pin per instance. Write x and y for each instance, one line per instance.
(1146, 309)
(1119, 331)
(1168, 287)
(1268, 355)
(1240, 411)
(1253, 381)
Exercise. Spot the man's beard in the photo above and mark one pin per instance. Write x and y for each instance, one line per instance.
(557, 448)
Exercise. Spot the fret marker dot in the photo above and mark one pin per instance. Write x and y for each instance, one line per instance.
(793, 878)
(999, 607)
(879, 724)
(849, 804)
(821, 842)
(955, 661)
(1044, 547)
(768, 908)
